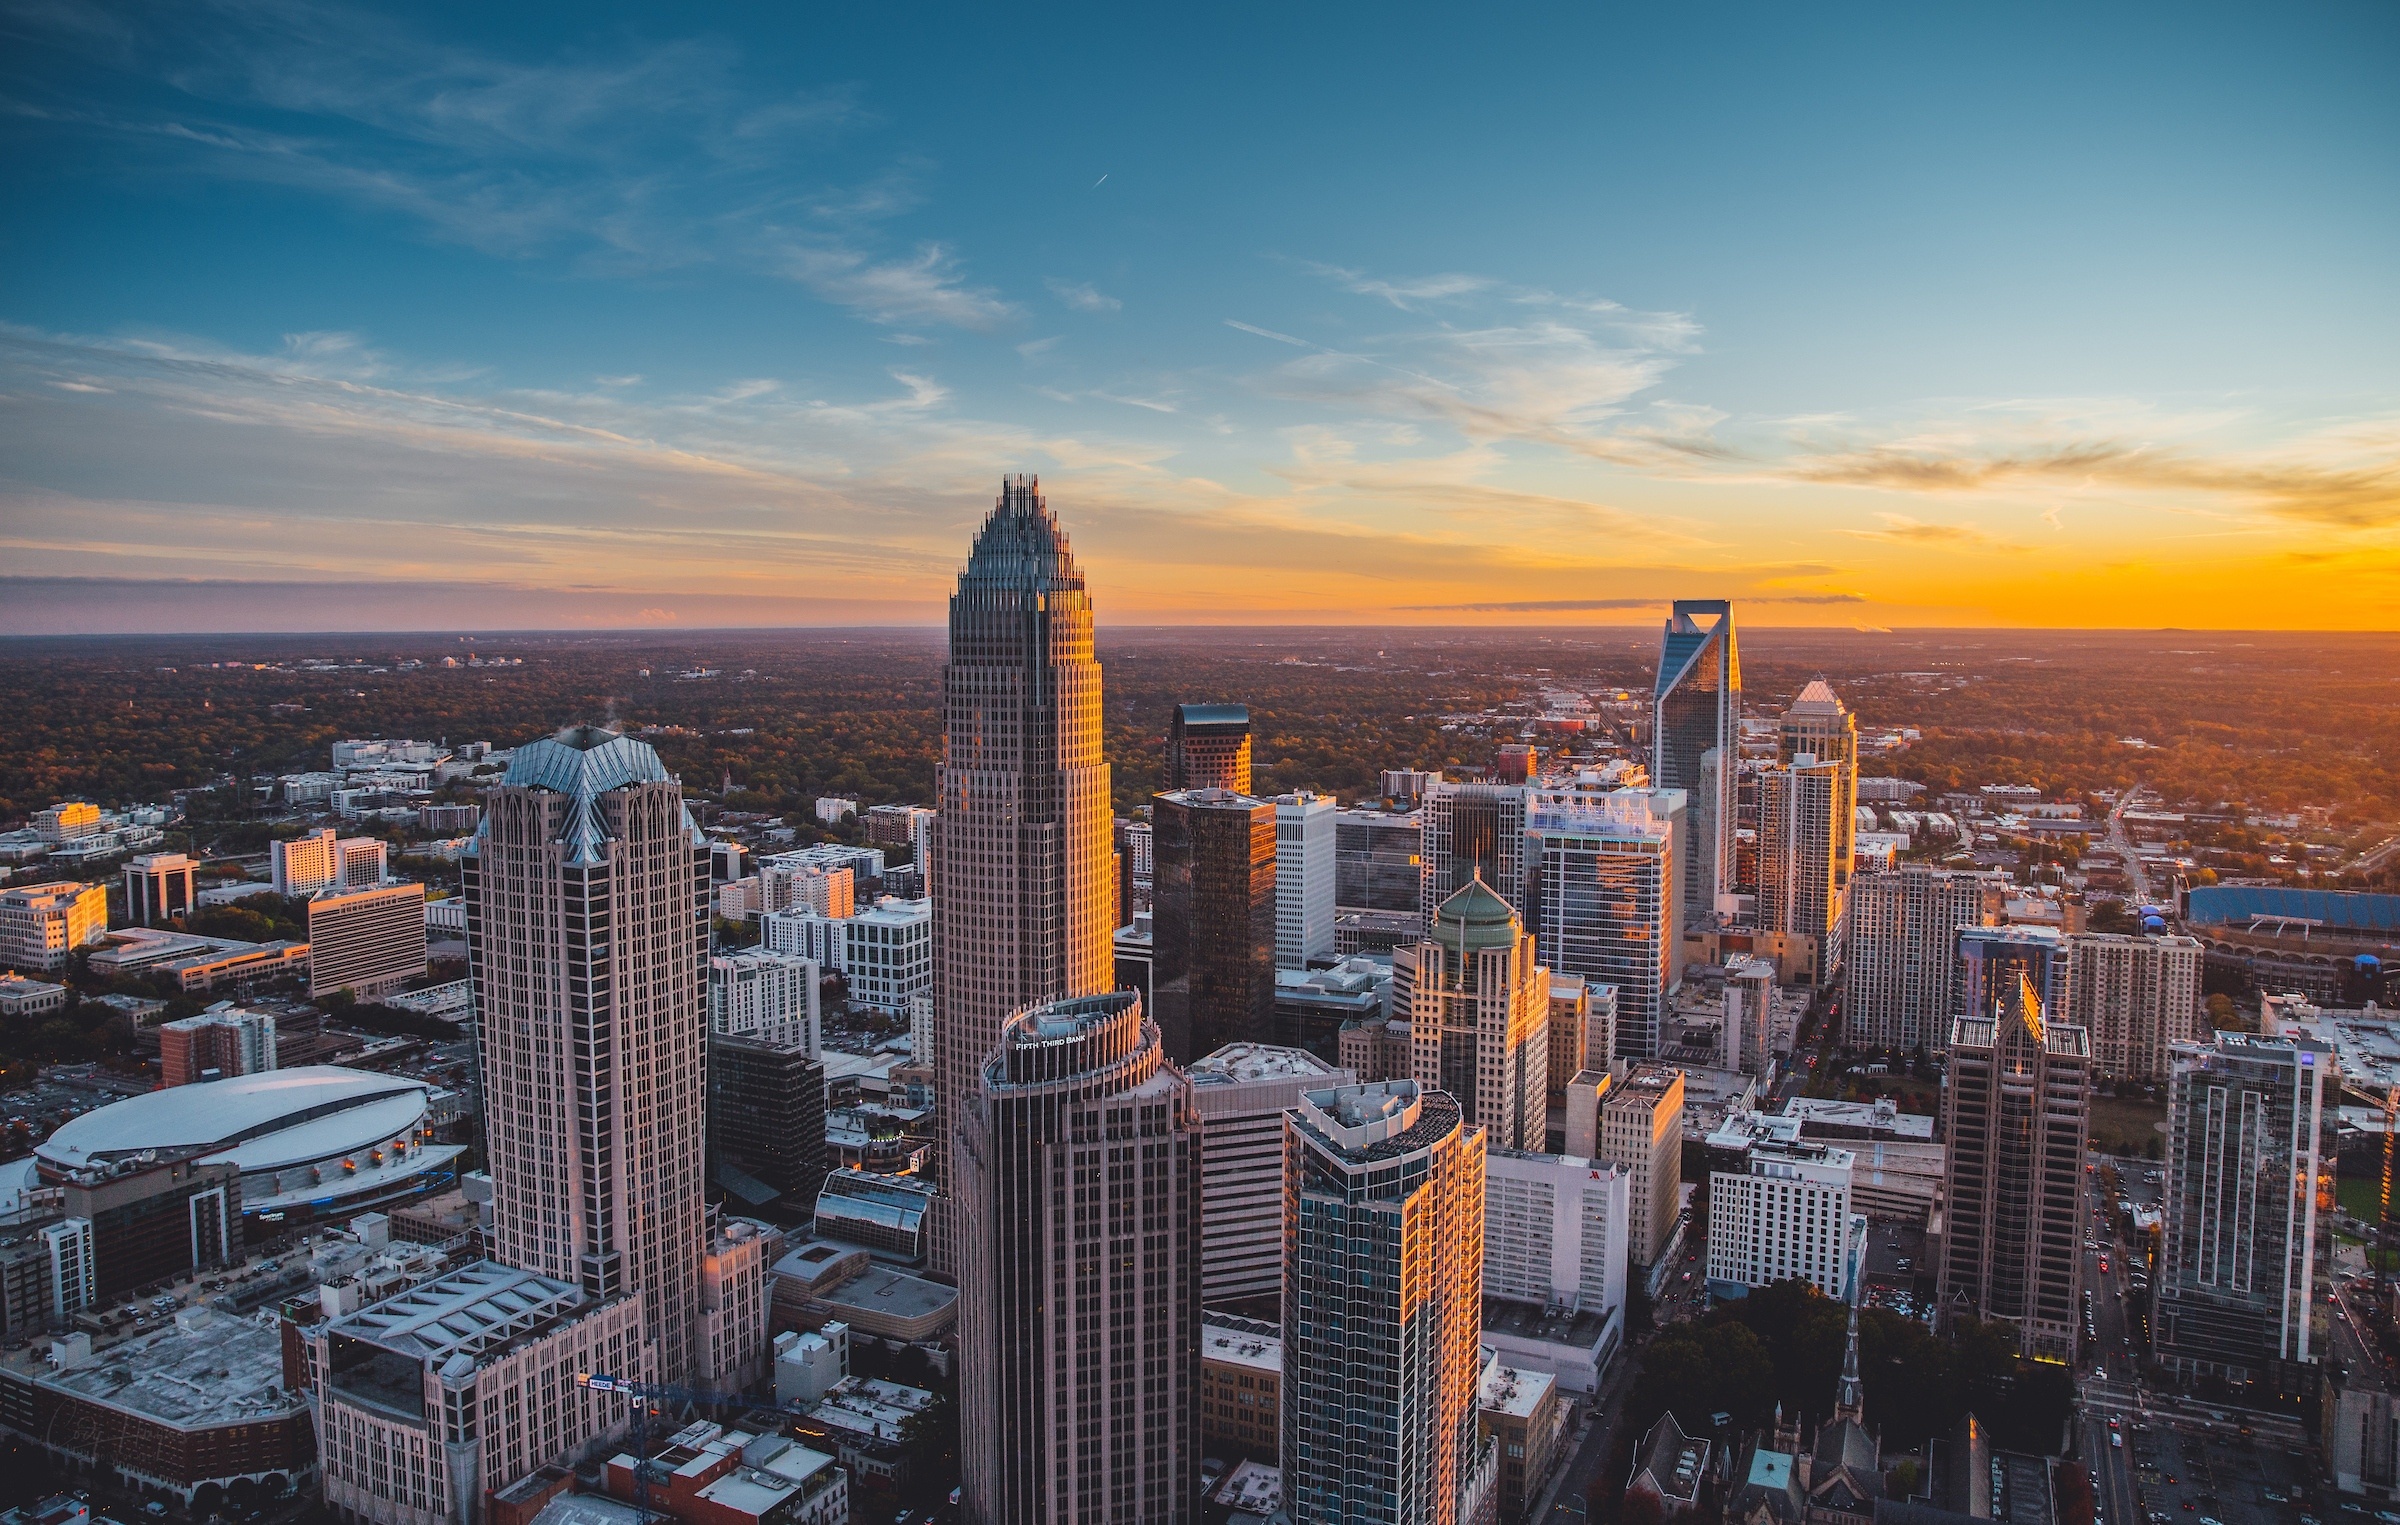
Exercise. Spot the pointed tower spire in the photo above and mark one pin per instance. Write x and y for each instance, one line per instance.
(1850, 1401)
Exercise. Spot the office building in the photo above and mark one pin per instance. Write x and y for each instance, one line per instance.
(41, 925)
(324, 859)
(1605, 900)
(2016, 1115)
(2249, 1151)
(1242, 1091)
(1750, 1014)
(68, 821)
(1405, 785)
(1470, 832)
(1991, 960)
(138, 1214)
(885, 953)
(1779, 1210)
(1375, 860)
(1477, 1004)
(1802, 873)
(1557, 1233)
(760, 993)
(810, 887)
(158, 888)
(1383, 1295)
(1696, 709)
(1212, 920)
(1641, 1128)
(2137, 996)
(1241, 1378)
(1079, 1287)
(1524, 1411)
(766, 1118)
(1208, 747)
(216, 1045)
(1305, 873)
(1820, 727)
(587, 936)
(366, 941)
(1021, 837)
(1900, 960)
(1583, 1028)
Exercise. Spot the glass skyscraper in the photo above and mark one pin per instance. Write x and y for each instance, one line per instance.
(1606, 905)
(1696, 709)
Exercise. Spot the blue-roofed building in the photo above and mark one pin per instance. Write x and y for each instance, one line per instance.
(2337, 947)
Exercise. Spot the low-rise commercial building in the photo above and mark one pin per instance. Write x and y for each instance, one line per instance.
(1241, 1387)
(1526, 1413)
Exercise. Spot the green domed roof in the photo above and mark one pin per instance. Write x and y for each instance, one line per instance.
(1474, 918)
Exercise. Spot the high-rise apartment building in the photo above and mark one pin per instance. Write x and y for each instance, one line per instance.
(2137, 996)
(885, 952)
(1605, 901)
(1802, 825)
(1641, 1128)
(2249, 1149)
(1477, 1003)
(760, 993)
(1383, 1295)
(324, 859)
(41, 925)
(587, 937)
(1021, 834)
(158, 886)
(1212, 919)
(366, 941)
(1696, 709)
(1242, 1091)
(1470, 832)
(1819, 726)
(2016, 1114)
(1900, 962)
(1079, 1305)
(1304, 878)
(1208, 747)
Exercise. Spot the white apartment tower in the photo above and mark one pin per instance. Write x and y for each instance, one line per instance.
(759, 993)
(1900, 976)
(1785, 1214)
(1304, 878)
(587, 937)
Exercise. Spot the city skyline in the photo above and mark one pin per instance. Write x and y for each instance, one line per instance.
(329, 318)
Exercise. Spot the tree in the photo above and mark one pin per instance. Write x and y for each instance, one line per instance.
(2224, 1015)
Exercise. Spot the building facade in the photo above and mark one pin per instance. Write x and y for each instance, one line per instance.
(158, 888)
(1606, 903)
(1696, 709)
(1375, 861)
(1821, 727)
(760, 993)
(1079, 1299)
(587, 936)
(324, 859)
(366, 941)
(1641, 1128)
(1472, 831)
(1383, 1289)
(766, 1120)
(1208, 747)
(1022, 826)
(1477, 1003)
(215, 1045)
(2248, 1153)
(1556, 1231)
(1784, 1214)
(1242, 1091)
(1304, 878)
(2016, 1114)
(2138, 997)
(41, 925)
(1212, 919)
(1900, 960)
(1802, 873)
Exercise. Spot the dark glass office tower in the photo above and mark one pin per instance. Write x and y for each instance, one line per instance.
(1212, 920)
(1208, 747)
(766, 1124)
(1697, 709)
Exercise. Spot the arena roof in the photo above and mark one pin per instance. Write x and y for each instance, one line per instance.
(2343, 910)
(259, 1122)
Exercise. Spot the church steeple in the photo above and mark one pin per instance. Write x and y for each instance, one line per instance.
(1850, 1401)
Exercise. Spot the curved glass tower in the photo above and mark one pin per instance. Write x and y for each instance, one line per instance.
(1696, 709)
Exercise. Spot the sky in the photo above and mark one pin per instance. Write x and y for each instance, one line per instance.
(532, 316)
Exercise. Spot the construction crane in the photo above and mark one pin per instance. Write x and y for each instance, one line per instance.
(650, 1397)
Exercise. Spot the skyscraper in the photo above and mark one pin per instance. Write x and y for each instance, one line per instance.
(1383, 1293)
(1478, 1007)
(1472, 831)
(1212, 919)
(2247, 1152)
(1021, 836)
(1208, 747)
(1696, 708)
(1079, 1306)
(1900, 966)
(1819, 726)
(587, 936)
(2137, 996)
(1242, 1091)
(1800, 829)
(1304, 878)
(1605, 897)
(1641, 1128)
(1992, 959)
(2016, 1114)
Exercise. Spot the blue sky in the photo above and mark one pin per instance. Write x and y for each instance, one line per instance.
(548, 314)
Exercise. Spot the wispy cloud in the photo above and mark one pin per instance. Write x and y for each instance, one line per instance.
(926, 287)
(1083, 296)
(1267, 333)
(1409, 294)
(1900, 529)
